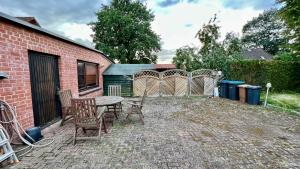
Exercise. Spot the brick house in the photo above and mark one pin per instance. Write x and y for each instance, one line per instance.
(37, 63)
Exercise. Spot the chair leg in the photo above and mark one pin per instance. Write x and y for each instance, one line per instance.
(110, 118)
(65, 113)
(75, 133)
(63, 118)
(127, 116)
(100, 126)
(141, 117)
(129, 113)
(142, 120)
(142, 114)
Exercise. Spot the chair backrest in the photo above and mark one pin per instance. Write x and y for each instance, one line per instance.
(84, 108)
(65, 98)
(114, 90)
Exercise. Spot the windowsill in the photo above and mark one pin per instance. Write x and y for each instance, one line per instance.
(83, 93)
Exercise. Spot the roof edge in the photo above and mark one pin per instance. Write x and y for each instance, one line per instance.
(47, 32)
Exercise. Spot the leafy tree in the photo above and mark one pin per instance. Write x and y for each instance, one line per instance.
(290, 13)
(208, 36)
(212, 53)
(232, 44)
(216, 60)
(123, 31)
(265, 31)
(184, 58)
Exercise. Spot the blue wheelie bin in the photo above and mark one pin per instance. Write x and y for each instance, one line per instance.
(34, 133)
(233, 90)
(224, 88)
(253, 93)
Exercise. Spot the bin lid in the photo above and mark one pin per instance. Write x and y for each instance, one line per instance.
(244, 85)
(224, 81)
(254, 87)
(235, 82)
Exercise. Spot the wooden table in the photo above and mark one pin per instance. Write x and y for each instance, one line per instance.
(108, 100)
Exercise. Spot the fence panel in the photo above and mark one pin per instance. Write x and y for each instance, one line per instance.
(146, 79)
(175, 82)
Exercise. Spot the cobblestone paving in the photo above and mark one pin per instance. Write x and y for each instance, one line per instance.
(181, 133)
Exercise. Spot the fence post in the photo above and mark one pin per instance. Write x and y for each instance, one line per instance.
(160, 84)
(189, 83)
(146, 86)
(133, 85)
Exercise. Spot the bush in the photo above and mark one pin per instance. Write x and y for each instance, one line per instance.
(283, 75)
(286, 57)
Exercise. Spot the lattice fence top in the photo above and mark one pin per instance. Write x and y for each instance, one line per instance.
(146, 73)
(175, 72)
(204, 72)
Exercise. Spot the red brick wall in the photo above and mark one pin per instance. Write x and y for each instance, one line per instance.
(15, 41)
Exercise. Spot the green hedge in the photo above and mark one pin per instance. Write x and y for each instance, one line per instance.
(283, 75)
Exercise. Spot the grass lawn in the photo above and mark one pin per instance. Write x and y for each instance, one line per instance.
(287, 100)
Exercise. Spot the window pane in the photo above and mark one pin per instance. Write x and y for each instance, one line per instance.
(91, 74)
(80, 71)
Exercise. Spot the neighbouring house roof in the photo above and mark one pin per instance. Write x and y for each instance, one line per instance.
(256, 54)
(31, 20)
(130, 69)
(47, 32)
(165, 66)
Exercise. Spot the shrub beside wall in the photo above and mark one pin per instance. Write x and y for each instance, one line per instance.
(283, 75)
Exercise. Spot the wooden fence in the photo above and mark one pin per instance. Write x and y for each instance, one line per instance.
(175, 82)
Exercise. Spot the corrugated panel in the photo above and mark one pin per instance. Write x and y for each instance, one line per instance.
(127, 69)
(125, 82)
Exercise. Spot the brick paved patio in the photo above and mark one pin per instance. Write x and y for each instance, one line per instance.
(181, 133)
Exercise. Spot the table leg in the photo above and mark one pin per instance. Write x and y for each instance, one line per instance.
(115, 110)
(104, 125)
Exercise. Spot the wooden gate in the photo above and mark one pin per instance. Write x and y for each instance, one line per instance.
(44, 78)
(175, 82)
(203, 81)
(146, 79)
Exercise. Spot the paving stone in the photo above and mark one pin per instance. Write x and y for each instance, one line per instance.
(195, 132)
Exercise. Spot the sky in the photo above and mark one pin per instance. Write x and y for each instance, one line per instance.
(176, 21)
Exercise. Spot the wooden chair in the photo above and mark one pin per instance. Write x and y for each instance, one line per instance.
(87, 116)
(136, 107)
(65, 100)
(114, 90)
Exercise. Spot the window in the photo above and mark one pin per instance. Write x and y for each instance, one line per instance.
(87, 75)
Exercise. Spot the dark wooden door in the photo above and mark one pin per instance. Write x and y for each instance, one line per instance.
(44, 78)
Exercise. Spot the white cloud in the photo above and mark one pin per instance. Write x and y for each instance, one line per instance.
(235, 19)
(178, 24)
(76, 31)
